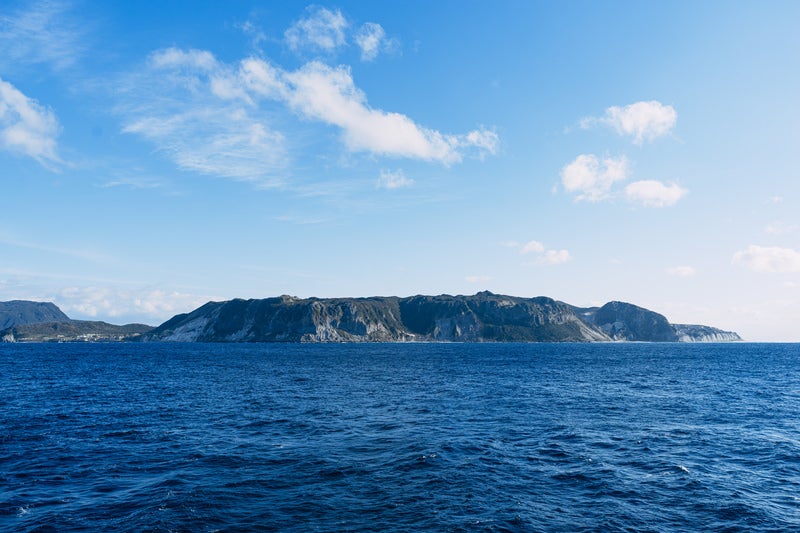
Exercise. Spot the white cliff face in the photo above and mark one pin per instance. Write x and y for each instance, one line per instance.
(188, 332)
(722, 336)
(592, 335)
(693, 333)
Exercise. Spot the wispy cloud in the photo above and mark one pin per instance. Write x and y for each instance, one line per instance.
(532, 247)
(768, 259)
(553, 257)
(71, 251)
(651, 193)
(190, 107)
(27, 128)
(780, 228)
(644, 121)
(681, 271)
(320, 30)
(396, 179)
(41, 33)
(372, 40)
(591, 179)
(137, 183)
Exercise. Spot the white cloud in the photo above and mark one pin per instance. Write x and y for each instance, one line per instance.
(322, 29)
(114, 301)
(477, 279)
(486, 141)
(153, 305)
(768, 259)
(543, 255)
(554, 257)
(211, 117)
(26, 127)
(532, 247)
(681, 271)
(330, 95)
(651, 193)
(394, 180)
(644, 121)
(44, 33)
(262, 79)
(592, 179)
(371, 39)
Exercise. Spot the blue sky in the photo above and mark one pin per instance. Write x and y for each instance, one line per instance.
(154, 157)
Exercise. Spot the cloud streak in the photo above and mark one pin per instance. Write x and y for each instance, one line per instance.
(41, 34)
(186, 103)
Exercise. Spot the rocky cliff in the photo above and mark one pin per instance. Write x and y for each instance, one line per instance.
(484, 317)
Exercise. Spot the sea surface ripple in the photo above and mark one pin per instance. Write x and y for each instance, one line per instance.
(400, 437)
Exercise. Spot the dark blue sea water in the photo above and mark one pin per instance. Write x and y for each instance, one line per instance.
(425, 437)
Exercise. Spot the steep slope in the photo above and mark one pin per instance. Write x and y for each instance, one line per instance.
(20, 312)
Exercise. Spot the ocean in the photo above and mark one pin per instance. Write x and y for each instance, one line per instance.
(400, 437)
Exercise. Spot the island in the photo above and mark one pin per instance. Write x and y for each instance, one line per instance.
(482, 317)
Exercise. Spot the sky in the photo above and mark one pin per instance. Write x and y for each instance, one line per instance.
(155, 156)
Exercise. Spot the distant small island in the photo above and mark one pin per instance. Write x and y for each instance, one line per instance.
(25, 321)
(483, 317)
